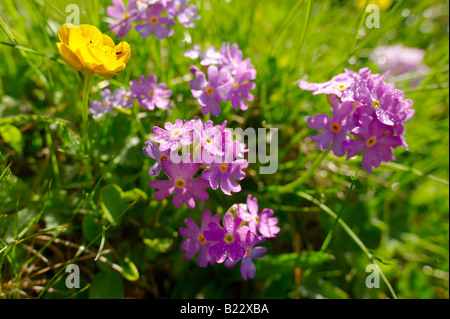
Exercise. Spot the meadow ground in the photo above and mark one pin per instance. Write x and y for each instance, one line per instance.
(396, 217)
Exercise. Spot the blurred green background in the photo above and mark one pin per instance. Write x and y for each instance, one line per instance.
(398, 215)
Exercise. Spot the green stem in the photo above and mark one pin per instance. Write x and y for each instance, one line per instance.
(291, 186)
(85, 137)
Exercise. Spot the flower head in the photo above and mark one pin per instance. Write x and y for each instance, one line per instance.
(155, 23)
(185, 13)
(123, 98)
(264, 223)
(151, 94)
(86, 49)
(99, 108)
(210, 92)
(173, 135)
(123, 17)
(196, 241)
(185, 188)
(152, 151)
(243, 85)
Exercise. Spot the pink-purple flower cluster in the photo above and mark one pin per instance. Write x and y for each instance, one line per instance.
(156, 16)
(229, 78)
(148, 92)
(368, 117)
(200, 144)
(239, 237)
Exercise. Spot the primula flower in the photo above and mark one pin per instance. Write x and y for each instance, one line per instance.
(87, 50)
(151, 94)
(123, 98)
(263, 222)
(232, 57)
(228, 242)
(375, 139)
(335, 129)
(152, 151)
(185, 13)
(100, 108)
(155, 23)
(124, 16)
(397, 59)
(243, 85)
(248, 269)
(174, 134)
(210, 137)
(196, 241)
(186, 188)
(210, 92)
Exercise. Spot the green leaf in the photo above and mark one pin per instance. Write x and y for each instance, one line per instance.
(113, 203)
(72, 142)
(134, 194)
(160, 245)
(107, 284)
(13, 136)
(288, 262)
(130, 271)
(91, 228)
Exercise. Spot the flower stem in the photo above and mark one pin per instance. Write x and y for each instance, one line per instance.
(291, 186)
(85, 137)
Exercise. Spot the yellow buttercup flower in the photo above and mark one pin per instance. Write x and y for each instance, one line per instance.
(86, 49)
(382, 4)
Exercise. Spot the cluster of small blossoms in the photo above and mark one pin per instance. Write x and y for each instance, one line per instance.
(200, 144)
(148, 92)
(229, 78)
(157, 16)
(239, 239)
(368, 117)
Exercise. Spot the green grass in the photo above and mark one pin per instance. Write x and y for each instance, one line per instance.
(50, 216)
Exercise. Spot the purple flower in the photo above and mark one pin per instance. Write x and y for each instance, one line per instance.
(375, 139)
(174, 134)
(228, 242)
(211, 56)
(196, 240)
(99, 108)
(151, 94)
(210, 92)
(263, 222)
(185, 13)
(123, 98)
(397, 59)
(335, 129)
(155, 23)
(342, 86)
(232, 57)
(186, 188)
(380, 99)
(210, 137)
(194, 53)
(248, 268)
(123, 16)
(152, 151)
(242, 85)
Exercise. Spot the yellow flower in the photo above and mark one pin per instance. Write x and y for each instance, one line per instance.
(382, 4)
(86, 49)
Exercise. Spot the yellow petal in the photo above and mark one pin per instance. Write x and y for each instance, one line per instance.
(63, 32)
(69, 56)
(92, 33)
(108, 41)
(123, 52)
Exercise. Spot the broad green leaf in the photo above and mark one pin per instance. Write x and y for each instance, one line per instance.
(113, 203)
(107, 284)
(12, 136)
(91, 228)
(130, 271)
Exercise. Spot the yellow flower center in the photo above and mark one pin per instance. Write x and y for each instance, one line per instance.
(248, 252)
(163, 157)
(229, 238)
(178, 8)
(335, 127)
(236, 85)
(154, 20)
(257, 219)
(201, 239)
(125, 15)
(105, 103)
(151, 93)
(371, 141)
(176, 133)
(223, 167)
(208, 140)
(179, 183)
(209, 90)
(127, 96)
(341, 87)
(376, 104)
